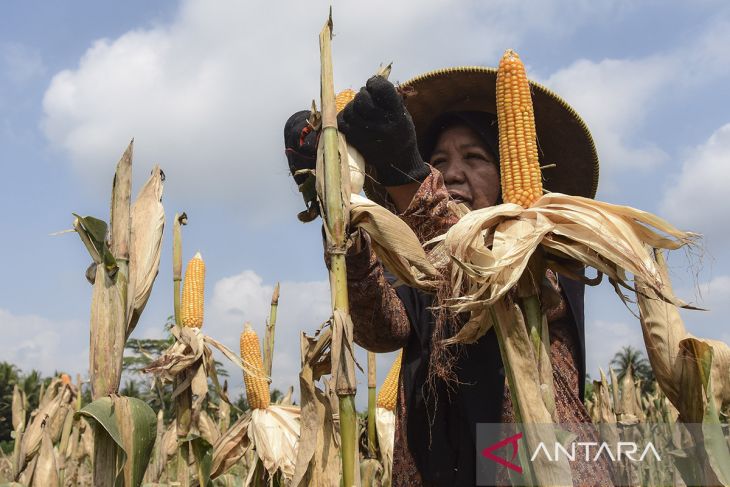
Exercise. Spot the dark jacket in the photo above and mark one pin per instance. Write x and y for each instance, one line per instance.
(446, 452)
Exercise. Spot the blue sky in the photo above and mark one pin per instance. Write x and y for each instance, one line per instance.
(205, 87)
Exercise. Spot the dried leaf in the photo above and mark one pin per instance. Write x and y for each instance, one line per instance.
(207, 428)
(318, 460)
(394, 242)
(231, 446)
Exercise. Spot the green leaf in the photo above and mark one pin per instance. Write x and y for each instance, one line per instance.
(131, 424)
(715, 443)
(202, 451)
(96, 231)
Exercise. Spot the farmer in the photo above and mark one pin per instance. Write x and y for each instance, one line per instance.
(436, 146)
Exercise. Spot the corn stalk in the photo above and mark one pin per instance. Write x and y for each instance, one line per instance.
(270, 329)
(184, 400)
(334, 217)
(177, 224)
(372, 384)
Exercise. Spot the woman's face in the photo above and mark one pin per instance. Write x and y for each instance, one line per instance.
(469, 168)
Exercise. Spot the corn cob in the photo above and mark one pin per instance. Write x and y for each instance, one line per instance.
(65, 379)
(519, 163)
(343, 98)
(257, 385)
(193, 293)
(389, 390)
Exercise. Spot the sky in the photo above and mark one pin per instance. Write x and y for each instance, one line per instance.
(204, 88)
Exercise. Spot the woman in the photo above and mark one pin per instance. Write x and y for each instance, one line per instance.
(444, 392)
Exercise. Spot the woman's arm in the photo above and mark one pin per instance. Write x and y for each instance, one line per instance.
(379, 317)
(380, 323)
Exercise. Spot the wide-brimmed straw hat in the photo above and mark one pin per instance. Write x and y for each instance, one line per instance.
(562, 136)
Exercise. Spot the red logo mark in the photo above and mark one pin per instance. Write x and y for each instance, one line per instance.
(487, 452)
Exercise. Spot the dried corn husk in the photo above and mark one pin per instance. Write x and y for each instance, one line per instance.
(207, 428)
(190, 346)
(356, 165)
(274, 432)
(46, 470)
(18, 408)
(43, 418)
(493, 245)
(385, 427)
(148, 222)
(629, 413)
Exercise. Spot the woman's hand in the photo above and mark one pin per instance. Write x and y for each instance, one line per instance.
(377, 124)
(300, 141)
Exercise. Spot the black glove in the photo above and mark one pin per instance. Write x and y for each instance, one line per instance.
(300, 140)
(377, 124)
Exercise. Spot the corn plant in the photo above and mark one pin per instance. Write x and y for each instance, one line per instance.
(126, 257)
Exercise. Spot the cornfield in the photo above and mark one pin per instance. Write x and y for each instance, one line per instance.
(488, 259)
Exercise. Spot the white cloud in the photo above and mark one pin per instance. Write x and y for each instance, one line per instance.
(697, 197)
(207, 95)
(35, 342)
(614, 97)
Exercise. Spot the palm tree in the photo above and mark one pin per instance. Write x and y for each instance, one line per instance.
(627, 357)
(31, 384)
(8, 378)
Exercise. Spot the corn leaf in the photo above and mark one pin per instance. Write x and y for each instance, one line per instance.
(697, 405)
(131, 424)
(93, 233)
(523, 382)
(202, 451)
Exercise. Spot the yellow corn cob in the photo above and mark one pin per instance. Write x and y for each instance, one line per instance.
(191, 313)
(343, 98)
(389, 390)
(519, 163)
(257, 386)
(65, 379)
